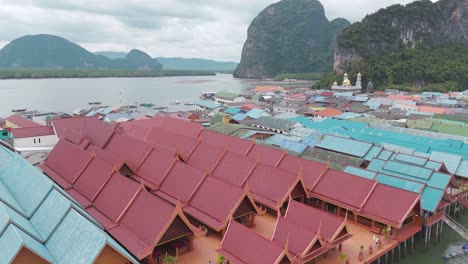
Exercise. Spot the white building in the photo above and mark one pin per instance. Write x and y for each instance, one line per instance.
(34, 139)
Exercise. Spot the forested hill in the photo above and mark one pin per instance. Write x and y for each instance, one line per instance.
(416, 45)
(291, 36)
(53, 52)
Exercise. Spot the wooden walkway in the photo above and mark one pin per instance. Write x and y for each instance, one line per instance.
(457, 227)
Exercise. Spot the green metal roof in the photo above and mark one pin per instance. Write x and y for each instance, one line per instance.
(226, 95)
(344, 145)
(430, 198)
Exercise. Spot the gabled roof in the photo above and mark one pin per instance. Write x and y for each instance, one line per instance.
(271, 186)
(132, 150)
(233, 144)
(241, 245)
(310, 171)
(387, 205)
(328, 226)
(205, 156)
(44, 220)
(175, 125)
(234, 168)
(216, 201)
(183, 145)
(266, 155)
(21, 121)
(275, 123)
(32, 132)
(344, 189)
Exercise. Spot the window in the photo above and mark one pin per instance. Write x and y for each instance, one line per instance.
(39, 141)
(34, 141)
(5, 134)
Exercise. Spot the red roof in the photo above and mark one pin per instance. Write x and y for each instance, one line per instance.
(241, 245)
(311, 171)
(21, 121)
(343, 189)
(266, 155)
(215, 202)
(234, 168)
(32, 131)
(93, 178)
(133, 151)
(156, 166)
(66, 162)
(314, 219)
(249, 106)
(205, 156)
(326, 93)
(390, 205)
(175, 125)
(180, 183)
(298, 238)
(233, 144)
(163, 138)
(73, 123)
(271, 186)
(328, 112)
(430, 109)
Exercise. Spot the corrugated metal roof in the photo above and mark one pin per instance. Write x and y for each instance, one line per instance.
(207, 104)
(256, 113)
(411, 159)
(344, 145)
(451, 161)
(239, 116)
(430, 198)
(360, 172)
(462, 170)
(293, 146)
(232, 110)
(400, 183)
(373, 153)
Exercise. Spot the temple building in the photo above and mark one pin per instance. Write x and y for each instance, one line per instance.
(346, 85)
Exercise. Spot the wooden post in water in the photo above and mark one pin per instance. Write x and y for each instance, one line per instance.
(429, 239)
(425, 238)
(404, 250)
(399, 252)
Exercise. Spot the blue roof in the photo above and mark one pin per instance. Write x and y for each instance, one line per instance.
(430, 198)
(400, 183)
(373, 153)
(91, 113)
(232, 110)
(344, 145)
(277, 139)
(373, 105)
(310, 140)
(35, 213)
(358, 98)
(255, 113)
(105, 110)
(348, 115)
(239, 116)
(293, 146)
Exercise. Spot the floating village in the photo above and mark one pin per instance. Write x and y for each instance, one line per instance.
(274, 175)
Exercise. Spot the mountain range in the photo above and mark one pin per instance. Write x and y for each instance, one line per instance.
(54, 52)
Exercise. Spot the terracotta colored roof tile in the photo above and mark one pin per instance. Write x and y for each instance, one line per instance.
(205, 156)
(109, 157)
(175, 125)
(242, 245)
(390, 205)
(181, 182)
(67, 160)
(328, 112)
(133, 151)
(271, 183)
(73, 136)
(234, 144)
(98, 133)
(182, 144)
(234, 168)
(310, 170)
(32, 132)
(115, 196)
(266, 155)
(343, 188)
(22, 121)
(73, 123)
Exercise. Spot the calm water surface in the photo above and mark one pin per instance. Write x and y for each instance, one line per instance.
(66, 95)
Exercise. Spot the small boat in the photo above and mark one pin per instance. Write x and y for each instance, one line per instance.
(160, 108)
(176, 102)
(147, 104)
(94, 103)
(452, 255)
(19, 110)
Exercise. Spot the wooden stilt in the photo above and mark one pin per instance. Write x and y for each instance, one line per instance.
(399, 252)
(404, 250)
(412, 244)
(425, 238)
(429, 239)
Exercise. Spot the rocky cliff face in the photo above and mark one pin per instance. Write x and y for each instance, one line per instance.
(419, 24)
(290, 36)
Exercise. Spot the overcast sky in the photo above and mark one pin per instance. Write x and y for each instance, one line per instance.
(214, 29)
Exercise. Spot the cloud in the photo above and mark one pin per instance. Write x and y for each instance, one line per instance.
(184, 28)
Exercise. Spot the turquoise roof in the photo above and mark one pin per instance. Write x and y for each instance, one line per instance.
(35, 213)
(451, 161)
(293, 146)
(360, 172)
(373, 153)
(400, 183)
(255, 113)
(344, 145)
(385, 155)
(411, 159)
(208, 104)
(430, 198)
(232, 110)
(239, 116)
(277, 139)
(462, 170)
(408, 169)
